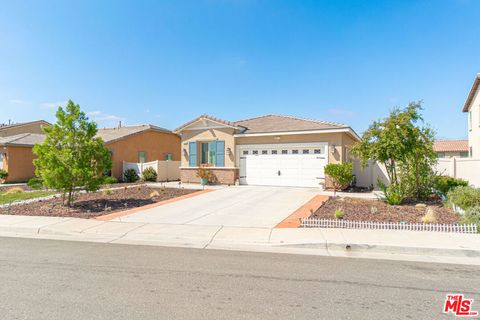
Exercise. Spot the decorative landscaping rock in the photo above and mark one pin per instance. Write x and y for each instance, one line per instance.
(420, 206)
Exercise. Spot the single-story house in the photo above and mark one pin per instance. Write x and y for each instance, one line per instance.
(451, 148)
(16, 156)
(142, 143)
(272, 150)
(14, 129)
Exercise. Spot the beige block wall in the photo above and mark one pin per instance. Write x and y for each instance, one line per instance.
(225, 134)
(155, 144)
(19, 164)
(29, 128)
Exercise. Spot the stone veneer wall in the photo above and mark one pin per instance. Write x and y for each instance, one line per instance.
(221, 176)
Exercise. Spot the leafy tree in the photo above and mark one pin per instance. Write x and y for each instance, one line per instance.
(405, 148)
(71, 158)
(341, 174)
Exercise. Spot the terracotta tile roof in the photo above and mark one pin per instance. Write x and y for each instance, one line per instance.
(281, 123)
(471, 95)
(24, 139)
(450, 146)
(113, 134)
(206, 116)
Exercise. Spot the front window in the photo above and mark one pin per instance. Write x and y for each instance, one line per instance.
(464, 154)
(209, 153)
(142, 157)
(2, 156)
(441, 154)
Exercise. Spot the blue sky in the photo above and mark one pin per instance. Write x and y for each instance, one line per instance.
(165, 62)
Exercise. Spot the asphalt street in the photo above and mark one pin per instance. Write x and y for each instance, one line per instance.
(46, 279)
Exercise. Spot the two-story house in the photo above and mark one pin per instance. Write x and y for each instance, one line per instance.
(472, 106)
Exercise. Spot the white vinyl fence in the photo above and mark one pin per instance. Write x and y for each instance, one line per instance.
(463, 168)
(347, 224)
(166, 170)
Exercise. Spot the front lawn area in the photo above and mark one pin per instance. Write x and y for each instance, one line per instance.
(11, 197)
(371, 210)
(94, 204)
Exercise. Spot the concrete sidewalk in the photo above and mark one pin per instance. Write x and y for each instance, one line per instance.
(377, 244)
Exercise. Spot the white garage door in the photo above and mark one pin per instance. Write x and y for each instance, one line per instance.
(283, 165)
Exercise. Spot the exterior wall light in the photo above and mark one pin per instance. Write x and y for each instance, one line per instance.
(229, 151)
(333, 148)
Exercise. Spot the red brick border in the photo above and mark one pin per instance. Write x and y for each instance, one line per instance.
(305, 211)
(123, 213)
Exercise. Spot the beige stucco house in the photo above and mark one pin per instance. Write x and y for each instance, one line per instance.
(273, 150)
(472, 106)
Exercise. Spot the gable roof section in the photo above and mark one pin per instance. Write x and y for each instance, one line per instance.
(281, 123)
(110, 135)
(9, 126)
(450, 146)
(22, 140)
(471, 95)
(210, 118)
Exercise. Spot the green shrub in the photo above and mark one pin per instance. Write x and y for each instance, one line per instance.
(340, 173)
(149, 174)
(393, 196)
(464, 197)
(109, 180)
(3, 174)
(472, 216)
(443, 184)
(35, 183)
(130, 175)
(339, 213)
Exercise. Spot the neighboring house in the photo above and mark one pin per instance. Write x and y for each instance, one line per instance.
(19, 128)
(273, 150)
(16, 156)
(451, 148)
(142, 143)
(472, 106)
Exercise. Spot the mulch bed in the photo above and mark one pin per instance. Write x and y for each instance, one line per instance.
(90, 205)
(372, 210)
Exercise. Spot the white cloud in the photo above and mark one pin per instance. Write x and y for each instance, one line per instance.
(93, 113)
(54, 104)
(17, 101)
(104, 119)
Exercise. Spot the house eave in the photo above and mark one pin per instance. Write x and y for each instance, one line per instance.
(471, 94)
(283, 133)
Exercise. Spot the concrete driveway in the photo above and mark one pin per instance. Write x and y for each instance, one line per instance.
(239, 206)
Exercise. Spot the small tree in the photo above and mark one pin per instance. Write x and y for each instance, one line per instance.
(341, 175)
(71, 158)
(405, 148)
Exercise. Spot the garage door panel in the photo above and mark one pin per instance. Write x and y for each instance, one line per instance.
(300, 166)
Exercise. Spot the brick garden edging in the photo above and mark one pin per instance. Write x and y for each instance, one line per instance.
(305, 211)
